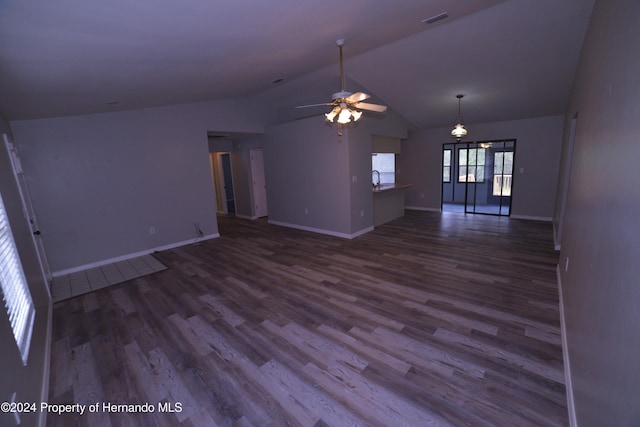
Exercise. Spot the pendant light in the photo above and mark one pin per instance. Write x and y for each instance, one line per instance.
(459, 131)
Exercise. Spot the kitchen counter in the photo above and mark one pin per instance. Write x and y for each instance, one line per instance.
(388, 187)
(388, 202)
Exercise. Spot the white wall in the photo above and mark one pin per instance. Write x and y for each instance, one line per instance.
(99, 182)
(601, 238)
(538, 149)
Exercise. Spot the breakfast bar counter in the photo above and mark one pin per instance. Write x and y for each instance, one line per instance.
(388, 202)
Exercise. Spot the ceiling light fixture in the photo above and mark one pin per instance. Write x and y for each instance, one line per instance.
(346, 107)
(459, 131)
(343, 113)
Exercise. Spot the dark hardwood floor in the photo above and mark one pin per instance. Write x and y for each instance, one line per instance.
(430, 320)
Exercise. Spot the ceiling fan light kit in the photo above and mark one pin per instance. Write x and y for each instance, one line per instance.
(347, 106)
(459, 131)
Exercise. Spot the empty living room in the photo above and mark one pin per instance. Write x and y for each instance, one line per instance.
(417, 213)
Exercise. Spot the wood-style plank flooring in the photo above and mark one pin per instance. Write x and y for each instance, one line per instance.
(430, 320)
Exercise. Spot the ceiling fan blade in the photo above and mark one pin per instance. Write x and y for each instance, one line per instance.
(371, 107)
(314, 105)
(357, 97)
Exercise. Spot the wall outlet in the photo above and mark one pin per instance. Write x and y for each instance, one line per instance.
(354, 179)
(306, 211)
(362, 213)
(152, 230)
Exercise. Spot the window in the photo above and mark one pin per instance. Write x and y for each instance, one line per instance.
(385, 164)
(502, 173)
(15, 291)
(471, 164)
(446, 165)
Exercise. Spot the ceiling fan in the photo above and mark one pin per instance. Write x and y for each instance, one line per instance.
(347, 106)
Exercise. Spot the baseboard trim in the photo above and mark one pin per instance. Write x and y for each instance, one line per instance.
(323, 231)
(573, 422)
(132, 255)
(421, 208)
(46, 371)
(533, 218)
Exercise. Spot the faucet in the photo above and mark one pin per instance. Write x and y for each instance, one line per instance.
(378, 183)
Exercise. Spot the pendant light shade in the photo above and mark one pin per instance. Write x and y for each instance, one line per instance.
(459, 131)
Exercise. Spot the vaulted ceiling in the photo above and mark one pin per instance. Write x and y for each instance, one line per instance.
(511, 59)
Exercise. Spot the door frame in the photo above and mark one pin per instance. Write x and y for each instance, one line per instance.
(471, 188)
(28, 210)
(563, 188)
(257, 212)
(221, 182)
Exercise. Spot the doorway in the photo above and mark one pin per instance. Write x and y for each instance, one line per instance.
(258, 183)
(477, 177)
(223, 182)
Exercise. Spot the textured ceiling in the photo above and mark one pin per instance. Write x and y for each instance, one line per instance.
(512, 59)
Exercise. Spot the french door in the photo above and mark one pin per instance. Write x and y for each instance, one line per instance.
(477, 177)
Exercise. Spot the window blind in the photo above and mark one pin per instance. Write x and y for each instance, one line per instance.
(15, 290)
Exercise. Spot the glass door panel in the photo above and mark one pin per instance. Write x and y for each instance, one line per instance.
(478, 177)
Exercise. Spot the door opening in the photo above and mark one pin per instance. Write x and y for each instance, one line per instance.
(223, 183)
(258, 183)
(477, 177)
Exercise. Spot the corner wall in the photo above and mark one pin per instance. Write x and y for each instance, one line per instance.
(307, 174)
(321, 181)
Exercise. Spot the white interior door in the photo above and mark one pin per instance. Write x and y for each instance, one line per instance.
(28, 208)
(259, 185)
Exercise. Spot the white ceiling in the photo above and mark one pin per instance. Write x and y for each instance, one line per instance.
(511, 58)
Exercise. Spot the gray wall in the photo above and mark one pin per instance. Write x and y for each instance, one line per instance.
(308, 165)
(538, 149)
(29, 382)
(601, 289)
(99, 182)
